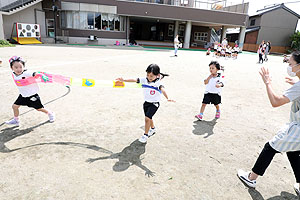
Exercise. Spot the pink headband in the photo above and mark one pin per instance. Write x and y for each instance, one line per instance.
(15, 58)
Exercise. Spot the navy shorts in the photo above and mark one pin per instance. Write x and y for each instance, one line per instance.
(33, 101)
(150, 109)
(211, 98)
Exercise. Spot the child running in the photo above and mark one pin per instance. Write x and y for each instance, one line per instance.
(28, 94)
(213, 89)
(152, 92)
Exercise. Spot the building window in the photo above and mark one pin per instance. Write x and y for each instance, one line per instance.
(252, 22)
(98, 21)
(200, 36)
(171, 30)
(181, 30)
(50, 27)
(111, 21)
(91, 20)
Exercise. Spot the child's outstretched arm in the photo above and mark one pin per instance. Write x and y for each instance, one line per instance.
(126, 80)
(43, 76)
(165, 94)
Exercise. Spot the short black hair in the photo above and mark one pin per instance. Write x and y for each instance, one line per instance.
(215, 63)
(18, 60)
(154, 69)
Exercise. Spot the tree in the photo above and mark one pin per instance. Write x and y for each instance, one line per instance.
(295, 41)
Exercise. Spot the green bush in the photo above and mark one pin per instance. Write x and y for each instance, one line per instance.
(295, 41)
(5, 43)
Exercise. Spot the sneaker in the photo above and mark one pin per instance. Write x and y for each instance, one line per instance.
(13, 122)
(218, 115)
(51, 117)
(244, 176)
(200, 117)
(297, 188)
(151, 132)
(144, 138)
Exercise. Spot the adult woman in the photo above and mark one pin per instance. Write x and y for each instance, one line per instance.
(288, 138)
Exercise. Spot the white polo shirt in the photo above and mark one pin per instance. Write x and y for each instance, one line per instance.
(151, 95)
(28, 90)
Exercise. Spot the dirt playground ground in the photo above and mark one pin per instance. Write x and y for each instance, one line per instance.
(91, 151)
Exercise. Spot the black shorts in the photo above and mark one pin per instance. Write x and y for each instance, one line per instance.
(150, 109)
(211, 98)
(33, 101)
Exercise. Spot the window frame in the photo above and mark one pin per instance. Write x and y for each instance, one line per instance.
(121, 21)
(199, 35)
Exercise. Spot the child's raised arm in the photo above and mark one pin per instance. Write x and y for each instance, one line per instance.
(126, 80)
(207, 80)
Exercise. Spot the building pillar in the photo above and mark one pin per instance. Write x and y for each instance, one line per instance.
(223, 35)
(127, 29)
(1, 27)
(242, 37)
(176, 28)
(187, 35)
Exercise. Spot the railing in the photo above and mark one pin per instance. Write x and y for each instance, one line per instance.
(224, 5)
(8, 5)
(214, 37)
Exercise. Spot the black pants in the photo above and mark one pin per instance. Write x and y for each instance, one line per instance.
(260, 58)
(266, 156)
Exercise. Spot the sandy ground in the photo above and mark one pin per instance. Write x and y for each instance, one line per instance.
(92, 152)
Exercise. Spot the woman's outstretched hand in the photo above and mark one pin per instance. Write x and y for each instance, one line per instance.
(264, 72)
(290, 80)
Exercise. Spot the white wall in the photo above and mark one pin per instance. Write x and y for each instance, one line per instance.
(277, 26)
(24, 16)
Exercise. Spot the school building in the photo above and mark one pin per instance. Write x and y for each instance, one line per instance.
(275, 24)
(148, 22)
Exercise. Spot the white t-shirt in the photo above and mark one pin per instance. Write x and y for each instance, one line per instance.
(28, 90)
(224, 43)
(150, 94)
(211, 86)
(176, 43)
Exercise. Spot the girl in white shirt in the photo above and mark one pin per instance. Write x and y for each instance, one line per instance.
(212, 93)
(28, 93)
(152, 88)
